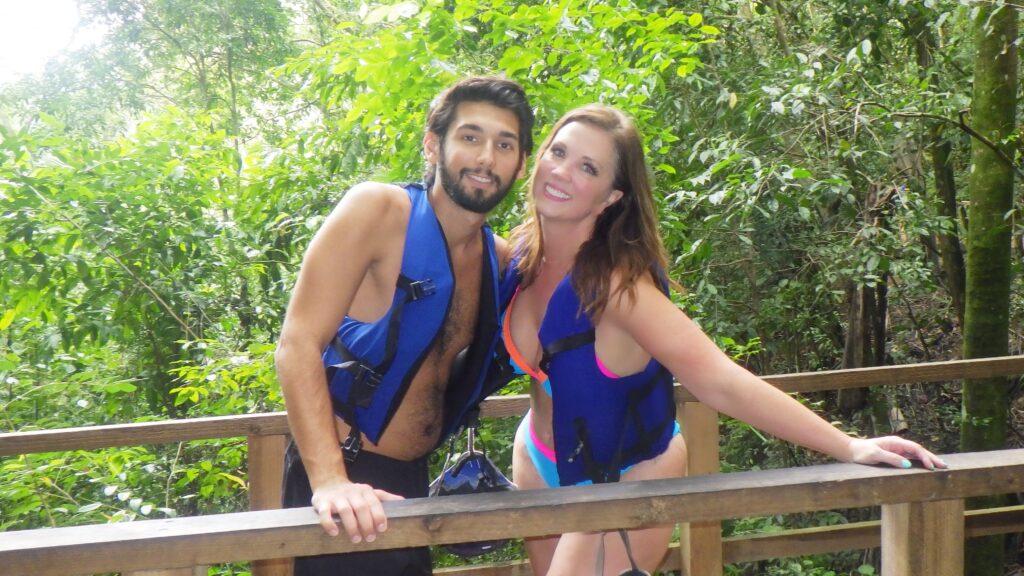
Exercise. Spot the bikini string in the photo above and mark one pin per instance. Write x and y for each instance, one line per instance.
(634, 569)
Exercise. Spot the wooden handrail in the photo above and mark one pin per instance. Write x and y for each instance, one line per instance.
(166, 431)
(202, 540)
(787, 543)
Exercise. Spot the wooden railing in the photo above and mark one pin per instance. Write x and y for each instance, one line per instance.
(922, 518)
(702, 549)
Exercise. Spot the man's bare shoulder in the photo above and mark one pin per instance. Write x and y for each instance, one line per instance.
(373, 198)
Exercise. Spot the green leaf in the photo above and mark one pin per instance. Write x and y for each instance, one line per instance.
(7, 318)
(695, 19)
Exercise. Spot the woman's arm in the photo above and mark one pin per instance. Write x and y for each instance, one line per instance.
(671, 337)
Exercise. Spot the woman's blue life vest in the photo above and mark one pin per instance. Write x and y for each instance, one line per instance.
(370, 365)
(601, 425)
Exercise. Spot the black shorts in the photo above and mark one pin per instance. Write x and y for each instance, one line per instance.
(408, 479)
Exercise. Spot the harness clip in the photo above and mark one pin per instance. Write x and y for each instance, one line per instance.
(364, 383)
(576, 452)
(351, 447)
(421, 289)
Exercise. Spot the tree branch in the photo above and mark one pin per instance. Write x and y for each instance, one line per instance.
(962, 125)
(85, 233)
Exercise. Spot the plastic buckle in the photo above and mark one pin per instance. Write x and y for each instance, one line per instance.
(351, 447)
(575, 453)
(422, 288)
(364, 383)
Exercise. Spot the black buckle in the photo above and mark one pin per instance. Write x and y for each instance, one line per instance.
(575, 453)
(351, 447)
(421, 289)
(364, 382)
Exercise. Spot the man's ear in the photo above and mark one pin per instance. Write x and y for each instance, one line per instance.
(522, 168)
(431, 148)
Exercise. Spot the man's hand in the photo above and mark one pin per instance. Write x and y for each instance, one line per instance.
(358, 505)
(894, 451)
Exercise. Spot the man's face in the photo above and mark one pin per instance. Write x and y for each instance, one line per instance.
(480, 157)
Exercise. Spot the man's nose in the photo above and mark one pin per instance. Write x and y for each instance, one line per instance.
(486, 156)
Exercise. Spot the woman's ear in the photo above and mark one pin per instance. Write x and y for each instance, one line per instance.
(613, 197)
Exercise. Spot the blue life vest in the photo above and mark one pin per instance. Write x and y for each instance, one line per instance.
(601, 425)
(370, 366)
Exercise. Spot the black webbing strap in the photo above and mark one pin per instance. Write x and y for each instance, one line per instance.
(366, 378)
(564, 345)
(645, 435)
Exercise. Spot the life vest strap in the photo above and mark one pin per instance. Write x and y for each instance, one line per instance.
(600, 473)
(366, 378)
(564, 345)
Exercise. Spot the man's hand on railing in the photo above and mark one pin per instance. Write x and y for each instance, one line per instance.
(892, 450)
(358, 506)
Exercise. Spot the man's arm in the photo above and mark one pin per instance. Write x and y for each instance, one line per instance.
(340, 258)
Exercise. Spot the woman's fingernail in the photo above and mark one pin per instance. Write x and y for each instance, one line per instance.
(357, 539)
(371, 537)
(381, 527)
(906, 463)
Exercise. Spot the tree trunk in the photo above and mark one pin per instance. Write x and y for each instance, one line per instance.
(987, 303)
(950, 249)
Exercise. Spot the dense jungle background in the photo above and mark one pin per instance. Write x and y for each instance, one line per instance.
(837, 184)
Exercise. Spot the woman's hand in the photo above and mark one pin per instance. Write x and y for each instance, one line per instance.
(892, 450)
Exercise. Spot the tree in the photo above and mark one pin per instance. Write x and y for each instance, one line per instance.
(987, 305)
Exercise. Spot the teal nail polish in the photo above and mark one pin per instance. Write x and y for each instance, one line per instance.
(906, 463)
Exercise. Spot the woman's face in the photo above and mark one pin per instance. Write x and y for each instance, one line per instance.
(574, 176)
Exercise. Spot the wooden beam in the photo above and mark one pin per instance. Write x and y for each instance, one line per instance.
(266, 472)
(142, 433)
(793, 542)
(923, 538)
(700, 543)
(888, 375)
(167, 431)
(212, 539)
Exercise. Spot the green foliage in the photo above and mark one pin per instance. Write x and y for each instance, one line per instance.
(156, 194)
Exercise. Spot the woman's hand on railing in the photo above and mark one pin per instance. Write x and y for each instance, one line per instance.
(357, 505)
(894, 451)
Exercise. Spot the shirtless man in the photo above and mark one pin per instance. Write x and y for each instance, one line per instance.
(378, 302)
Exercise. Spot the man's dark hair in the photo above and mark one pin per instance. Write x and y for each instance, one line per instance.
(500, 92)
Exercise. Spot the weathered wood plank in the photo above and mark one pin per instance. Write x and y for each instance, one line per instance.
(795, 542)
(700, 543)
(888, 375)
(923, 538)
(266, 471)
(137, 434)
(278, 533)
(142, 433)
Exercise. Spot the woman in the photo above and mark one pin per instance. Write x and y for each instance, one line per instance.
(592, 324)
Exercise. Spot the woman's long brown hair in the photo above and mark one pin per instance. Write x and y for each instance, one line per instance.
(625, 238)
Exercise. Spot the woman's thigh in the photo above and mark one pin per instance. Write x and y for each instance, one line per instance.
(524, 474)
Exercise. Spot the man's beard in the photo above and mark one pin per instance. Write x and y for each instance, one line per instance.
(476, 201)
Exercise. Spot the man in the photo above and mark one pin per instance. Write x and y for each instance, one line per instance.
(398, 284)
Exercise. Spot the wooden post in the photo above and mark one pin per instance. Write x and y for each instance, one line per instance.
(923, 538)
(700, 543)
(266, 470)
